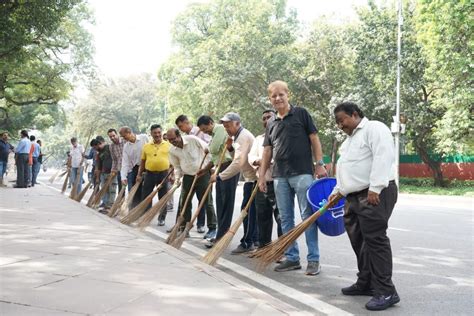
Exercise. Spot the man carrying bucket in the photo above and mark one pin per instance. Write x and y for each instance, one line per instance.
(365, 176)
(292, 140)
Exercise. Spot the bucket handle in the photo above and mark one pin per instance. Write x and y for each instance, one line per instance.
(337, 214)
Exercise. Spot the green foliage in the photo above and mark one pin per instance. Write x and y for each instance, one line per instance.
(426, 186)
(44, 47)
(130, 101)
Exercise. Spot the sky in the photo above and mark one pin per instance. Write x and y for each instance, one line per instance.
(133, 37)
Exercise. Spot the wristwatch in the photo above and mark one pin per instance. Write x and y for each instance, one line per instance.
(320, 162)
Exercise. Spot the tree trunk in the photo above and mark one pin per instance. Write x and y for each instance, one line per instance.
(335, 146)
(435, 166)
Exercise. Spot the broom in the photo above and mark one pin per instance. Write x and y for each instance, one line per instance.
(66, 181)
(180, 220)
(62, 175)
(273, 251)
(103, 190)
(138, 210)
(93, 195)
(124, 208)
(145, 220)
(213, 255)
(178, 242)
(54, 176)
(81, 194)
(118, 201)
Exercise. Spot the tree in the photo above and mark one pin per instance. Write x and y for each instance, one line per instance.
(44, 48)
(130, 101)
(228, 52)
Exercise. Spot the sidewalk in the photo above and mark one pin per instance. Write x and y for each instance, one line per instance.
(58, 257)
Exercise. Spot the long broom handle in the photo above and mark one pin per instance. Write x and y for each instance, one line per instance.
(208, 189)
(190, 193)
(244, 212)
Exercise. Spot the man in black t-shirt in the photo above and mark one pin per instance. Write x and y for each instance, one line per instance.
(102, 172)
(292, 141)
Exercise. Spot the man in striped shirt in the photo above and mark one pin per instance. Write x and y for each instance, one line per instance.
(116, 149)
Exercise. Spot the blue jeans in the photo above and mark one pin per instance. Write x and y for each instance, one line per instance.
(131, 180)
(110, 194)
(285, 190)
(3, 168)
(74, 172)
(35, 169)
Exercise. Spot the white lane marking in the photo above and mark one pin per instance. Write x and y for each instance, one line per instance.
(400, 229)
(285, 290)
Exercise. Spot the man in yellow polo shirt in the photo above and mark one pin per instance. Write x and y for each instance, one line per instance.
(154, 165)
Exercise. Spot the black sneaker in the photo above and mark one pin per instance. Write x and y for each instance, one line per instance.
(380, 302)
(356, 289)
(288, 265)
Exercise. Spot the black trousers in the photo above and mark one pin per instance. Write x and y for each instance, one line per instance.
(22, 168)
(151, 180)
(225, 199)
(267, 209)
(250, 221)
(367, 226)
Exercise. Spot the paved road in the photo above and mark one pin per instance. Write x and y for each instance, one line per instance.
(432, 243)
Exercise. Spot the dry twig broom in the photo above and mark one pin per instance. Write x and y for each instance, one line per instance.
(93, 195)
(62, 174)
(103, 190)
(68, 174)
(138, 210)
(146, 218)
(125, 207)
(54, 176)
(178, 242)
(214, 254)
(273, 251)
(180, 219)
(81, 195)
(118, 201)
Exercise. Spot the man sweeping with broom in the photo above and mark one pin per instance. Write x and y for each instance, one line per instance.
(292, 140)
(103, 171)
(155, 161)
(186, 155)
(242, 143)
(365, 175)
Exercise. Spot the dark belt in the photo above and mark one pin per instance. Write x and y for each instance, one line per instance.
(156, 172)
(367, 189)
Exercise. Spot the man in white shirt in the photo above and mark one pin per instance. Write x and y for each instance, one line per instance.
(185, 126)
(131, 159)
(265, 202)
(75, 155)
(242, 142)
(186, 155)
(365, 176)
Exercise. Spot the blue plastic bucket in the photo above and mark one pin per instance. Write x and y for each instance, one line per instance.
(331, 223)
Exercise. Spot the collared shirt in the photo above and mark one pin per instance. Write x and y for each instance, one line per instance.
(76, 155)
(256, 153)
(132, 154)
(242, 144)
(203, 136)
(36, 150)
(156, 156)
(91, 155)
(104, 159)
(187, 160)
(116, 152)
(367, 159)
(5, 148)
(219, 137)
(290, 142)
(23, 146)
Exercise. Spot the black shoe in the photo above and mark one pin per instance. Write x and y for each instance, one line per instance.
(161, 222)
(201, 230)
(380, 302)
(211, 243)
(356, 289)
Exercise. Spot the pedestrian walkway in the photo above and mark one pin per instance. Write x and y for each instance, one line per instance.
(58, 257)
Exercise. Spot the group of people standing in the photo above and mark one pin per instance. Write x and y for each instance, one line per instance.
(283, 162)
(28, 159)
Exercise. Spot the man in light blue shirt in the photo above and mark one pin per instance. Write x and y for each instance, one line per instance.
(22, 151)
(35, 167)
